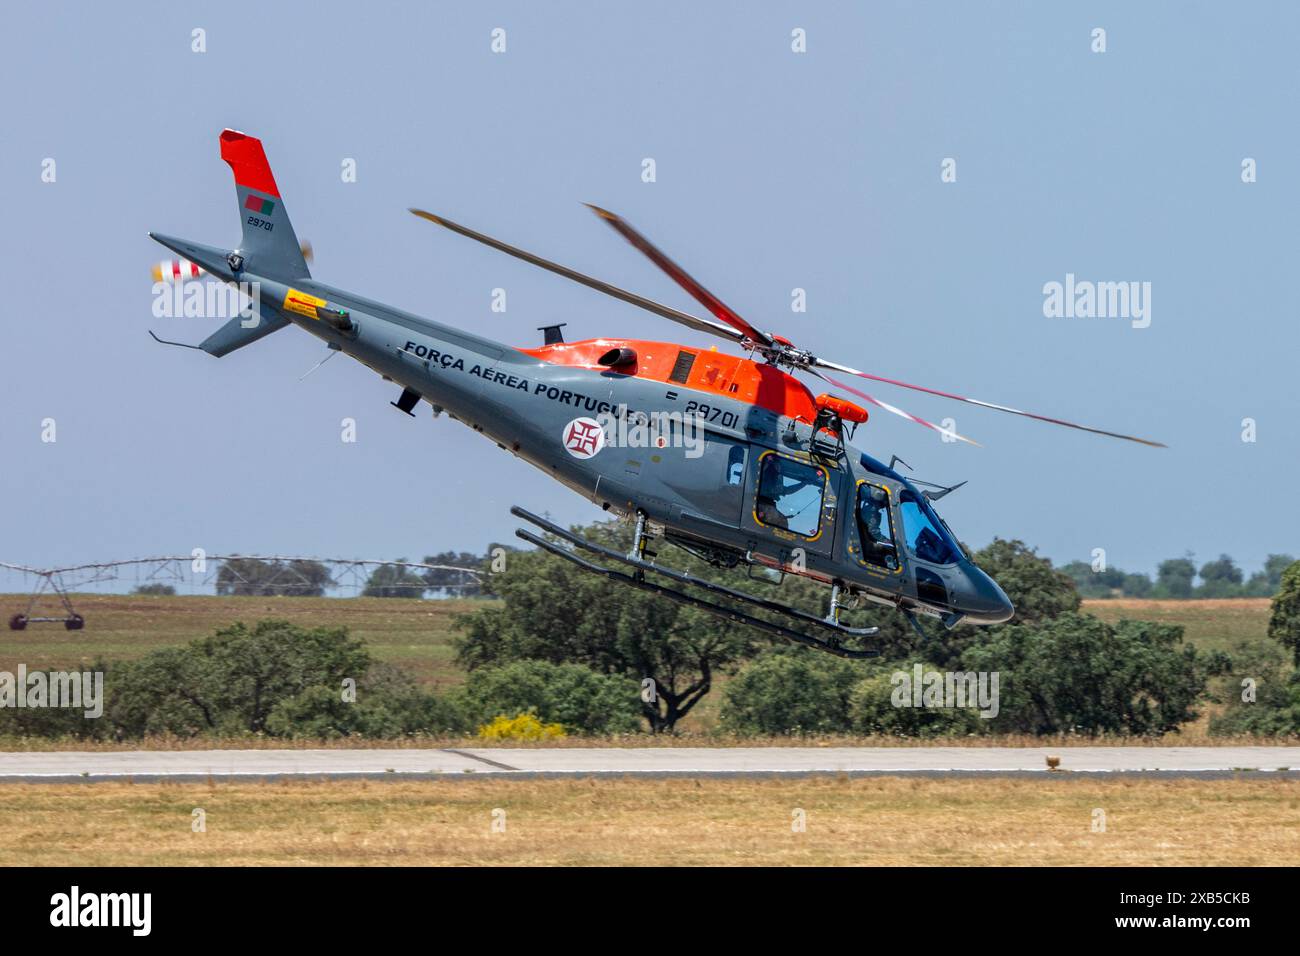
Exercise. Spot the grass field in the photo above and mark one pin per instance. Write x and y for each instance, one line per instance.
(414, 634)
(880, 821)
(417, 634)
(1211, 624)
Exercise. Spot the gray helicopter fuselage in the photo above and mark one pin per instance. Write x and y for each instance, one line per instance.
(704, 495)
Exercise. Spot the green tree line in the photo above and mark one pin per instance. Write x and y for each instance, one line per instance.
(1180, 578)
(600, 658)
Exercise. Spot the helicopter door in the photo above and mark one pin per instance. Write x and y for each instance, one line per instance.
(793, 502)
(710, 481)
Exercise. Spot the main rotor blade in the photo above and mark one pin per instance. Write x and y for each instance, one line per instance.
(890, 408)
(822, 363)
(717, 308)
(667, 312)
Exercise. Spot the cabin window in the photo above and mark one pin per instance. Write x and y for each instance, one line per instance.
(736, 465)
(790, 495)
(876, 527)
(925, 538)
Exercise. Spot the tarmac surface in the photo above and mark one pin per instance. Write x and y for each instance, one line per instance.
(407, 764)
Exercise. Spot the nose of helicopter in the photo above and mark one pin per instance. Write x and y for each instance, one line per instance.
(984, 601)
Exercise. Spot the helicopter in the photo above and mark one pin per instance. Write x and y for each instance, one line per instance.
(731, 458)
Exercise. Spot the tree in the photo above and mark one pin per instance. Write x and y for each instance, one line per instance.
(1265, 583)
(1106, 583)
(1090, 583)
(794, 690)
(305, 579)
(1275, 712)
(1221, 578)
(1077, 674)
(1284, 622)
(1174, 578)
(1274, 707)
(1136, 585)
(1262, 692)
(456, 583)
(58, 722)
(254, 577)
(232, 681)
(554, 611)
(388, 704)
(577, 697)
(872, 709)
(155, 589)
(392, 580)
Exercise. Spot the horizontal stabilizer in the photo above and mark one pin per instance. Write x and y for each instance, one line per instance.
(240, 331)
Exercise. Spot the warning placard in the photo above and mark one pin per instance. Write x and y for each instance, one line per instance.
(302, 303)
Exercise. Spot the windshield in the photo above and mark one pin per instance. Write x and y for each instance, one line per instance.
(926, 535)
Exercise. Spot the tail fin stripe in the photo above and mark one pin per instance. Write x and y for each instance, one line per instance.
(246, 158)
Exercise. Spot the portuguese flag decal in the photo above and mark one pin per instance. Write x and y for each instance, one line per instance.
(259, 205)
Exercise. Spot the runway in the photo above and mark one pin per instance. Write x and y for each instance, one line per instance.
(453, 764)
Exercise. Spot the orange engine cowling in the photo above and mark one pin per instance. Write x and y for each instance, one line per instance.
(846, 410)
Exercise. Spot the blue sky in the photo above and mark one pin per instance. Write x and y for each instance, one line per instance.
(775, 170)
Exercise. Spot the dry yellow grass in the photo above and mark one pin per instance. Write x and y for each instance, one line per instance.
(1210, 623)
(874, 821)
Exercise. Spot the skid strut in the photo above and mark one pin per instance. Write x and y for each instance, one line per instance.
(637, 579)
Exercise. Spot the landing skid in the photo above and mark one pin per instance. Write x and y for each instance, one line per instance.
(637, 579)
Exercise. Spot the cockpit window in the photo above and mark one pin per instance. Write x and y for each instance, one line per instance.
(876, 527)
(927, 538)
(790, 495)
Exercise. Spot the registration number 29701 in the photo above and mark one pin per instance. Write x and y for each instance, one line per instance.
(711, 413)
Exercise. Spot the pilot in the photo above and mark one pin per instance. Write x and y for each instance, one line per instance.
(929, 547)
(774, 486)
(877, 547)
(873, 506)
(768, 513)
